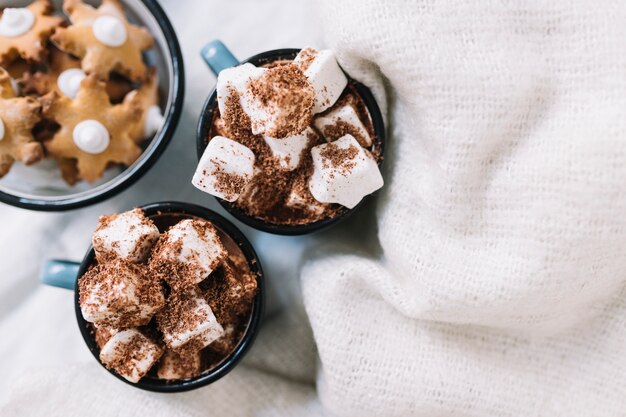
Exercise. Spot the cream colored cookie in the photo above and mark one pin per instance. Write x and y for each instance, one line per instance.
(80, 39)
(18, 116)
(30, 45)
(92, 130)
(43, 82)
(144, 97)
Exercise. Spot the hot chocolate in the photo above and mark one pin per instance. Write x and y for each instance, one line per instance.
(270, 123)
(169, 297)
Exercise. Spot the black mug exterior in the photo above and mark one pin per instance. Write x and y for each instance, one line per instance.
(204, 126)
(162, 140)
(251, 332)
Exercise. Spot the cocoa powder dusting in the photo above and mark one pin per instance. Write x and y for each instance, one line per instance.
(285, 89)
(232, 291)
(267, 195)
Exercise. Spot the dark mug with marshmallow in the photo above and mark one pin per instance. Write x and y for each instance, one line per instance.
(164, 216)
(287, 142)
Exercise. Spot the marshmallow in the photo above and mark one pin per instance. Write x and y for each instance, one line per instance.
(69, 81)
(343, 172)
(235, 80)
(188, 321)
(280, 103)
(2, 131)
(103, 334)
(127, 236)
(110, 31)
(130, 354)
(154, 121)
(289, 150)
(341, 121)
(224, 169)
(235, 287)
(91, 136)
(175, 365)
(301, 199)
(119, 294)
(190, 250)
(16, 22)
(324, 74)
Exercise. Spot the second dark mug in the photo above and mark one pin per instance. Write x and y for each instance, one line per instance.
(65, 274)
(218, 58)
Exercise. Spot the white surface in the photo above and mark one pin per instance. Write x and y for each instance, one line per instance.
(348, 183)
(493, 282)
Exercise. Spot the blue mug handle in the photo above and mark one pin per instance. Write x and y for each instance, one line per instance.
(217, 56)
(60, 274)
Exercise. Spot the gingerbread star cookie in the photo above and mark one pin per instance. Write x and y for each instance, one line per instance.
(24, 32)
(92, 131)
(64, 75)
(104, 40)
(147, 99)
(18, 116)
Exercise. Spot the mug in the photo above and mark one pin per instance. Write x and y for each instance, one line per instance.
(31, 188)
(218, 57)
(65, 274)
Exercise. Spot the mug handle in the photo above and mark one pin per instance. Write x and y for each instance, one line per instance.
(59, 273)
(217, 56)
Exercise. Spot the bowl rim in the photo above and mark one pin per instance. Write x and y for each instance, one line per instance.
(250, 333)
(204, 124)
(161, 140)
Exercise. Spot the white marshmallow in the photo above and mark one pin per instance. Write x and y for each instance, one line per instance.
(16, 22)
(202, 331)
(223, 156)
(343, 114)
(235, 79)
(128, 236)
(91, 136)
(289, 150)
(115, 354)
(110, 30)
(347, 183)
(154, 121)
(69, 81)
(174, 365)
(115, 299)
(1, 129)
(299, 201)
(202, 252)
(325, 75)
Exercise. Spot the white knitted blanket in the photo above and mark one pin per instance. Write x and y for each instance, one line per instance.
(487, 279)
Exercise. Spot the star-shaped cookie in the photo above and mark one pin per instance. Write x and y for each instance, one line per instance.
(92, 103)
(144, 97)
(18, 116)
(41, 83)
(97, 58)
(31, 45)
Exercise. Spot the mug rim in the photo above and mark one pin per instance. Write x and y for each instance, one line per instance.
(252, 329)
(161, 139)
(204, 125)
